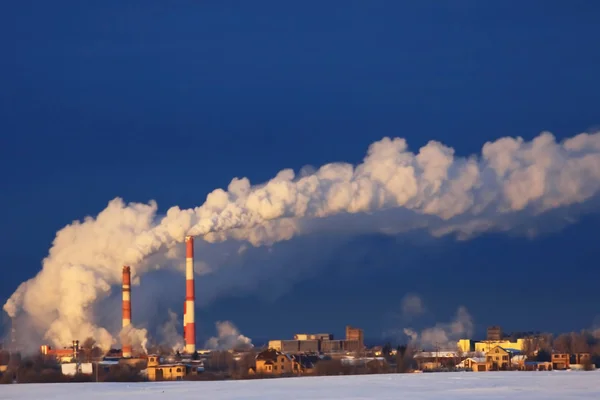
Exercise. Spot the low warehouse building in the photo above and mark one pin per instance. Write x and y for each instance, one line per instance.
(168, 372)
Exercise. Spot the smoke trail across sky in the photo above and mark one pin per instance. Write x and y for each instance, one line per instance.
(510, 180)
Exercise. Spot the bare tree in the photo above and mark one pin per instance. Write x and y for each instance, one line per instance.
(545, 342)
(563, 344)
(247, 361)
(579, 342)
(529, 347)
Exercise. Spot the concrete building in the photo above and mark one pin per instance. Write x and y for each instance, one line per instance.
(313, 336)
(494, 333)
(355, 335)
(321, 343)
(296, 346)
(341, 346)
(467, 345)
(560, 361)
(61, 355)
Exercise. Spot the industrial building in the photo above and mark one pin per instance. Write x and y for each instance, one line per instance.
(61, 355)
(467, 345)
(494, 339)
(321, 343)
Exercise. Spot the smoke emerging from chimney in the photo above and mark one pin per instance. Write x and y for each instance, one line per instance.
(510, 180)
(228, 337)
(169, 334)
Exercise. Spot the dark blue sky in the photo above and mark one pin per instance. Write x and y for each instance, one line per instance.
(145, 100)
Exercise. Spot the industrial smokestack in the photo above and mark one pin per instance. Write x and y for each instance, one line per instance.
(190, 297)
(125, 341)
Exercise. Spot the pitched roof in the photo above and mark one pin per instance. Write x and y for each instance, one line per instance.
(477, 359)
(271, 355)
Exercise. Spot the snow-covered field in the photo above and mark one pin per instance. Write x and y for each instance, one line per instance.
(485, 385)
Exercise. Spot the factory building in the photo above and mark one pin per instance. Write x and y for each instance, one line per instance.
(321, 343)
(313, 336)
(339, 346)
(61, 355)
(355, 335)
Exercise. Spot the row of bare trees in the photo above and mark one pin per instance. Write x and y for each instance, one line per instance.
(569, 343)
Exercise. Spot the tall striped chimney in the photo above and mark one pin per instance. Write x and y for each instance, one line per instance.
(190, 297)
(126, 344)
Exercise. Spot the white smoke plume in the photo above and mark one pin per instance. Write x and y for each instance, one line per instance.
(444, 336)
(412, 305)
(137, 337)
(432, 189)
(169, 334)
(413, 335)
(228, 337)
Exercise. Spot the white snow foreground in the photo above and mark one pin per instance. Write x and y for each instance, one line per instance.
(485, 385)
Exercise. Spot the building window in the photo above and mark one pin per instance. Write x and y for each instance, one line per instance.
(178, 369)
(505, 358)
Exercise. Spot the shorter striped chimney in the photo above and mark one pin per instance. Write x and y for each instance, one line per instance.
(190, 297)
(125, 340)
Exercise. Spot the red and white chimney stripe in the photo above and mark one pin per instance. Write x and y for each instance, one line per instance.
(126, 310)
(190, 297)
(184, 320)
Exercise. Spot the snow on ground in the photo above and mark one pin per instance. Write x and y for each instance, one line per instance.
(465, 385)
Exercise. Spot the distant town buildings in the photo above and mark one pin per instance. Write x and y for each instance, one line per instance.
(306, 351)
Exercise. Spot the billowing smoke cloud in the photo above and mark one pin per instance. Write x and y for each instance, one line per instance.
(137, 337)
(444, 336)
(228, 337)
(432, 190)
